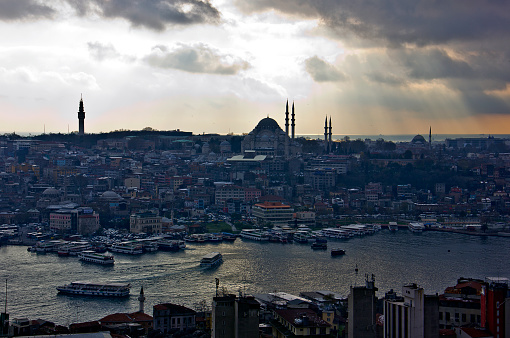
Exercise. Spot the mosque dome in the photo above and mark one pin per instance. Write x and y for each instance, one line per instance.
(418, 139)
(110, 195)
(267, 123)
(51, 192)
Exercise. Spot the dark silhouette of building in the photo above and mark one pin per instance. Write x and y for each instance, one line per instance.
(81, 118)
(362, 304)
(235, 317)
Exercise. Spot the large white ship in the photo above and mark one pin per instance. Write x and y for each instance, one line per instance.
(254, 234)
(96, 289)
(130, 247)
(95, 257)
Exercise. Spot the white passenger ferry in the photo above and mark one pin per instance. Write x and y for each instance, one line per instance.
(254, 234)
(130, 247)
(416, 227)
(94, 257)
(212, 259)
(96, 289)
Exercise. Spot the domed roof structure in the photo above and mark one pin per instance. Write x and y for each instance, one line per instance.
(418, 139)
(267, 123)
(110, 196)
(51, 192)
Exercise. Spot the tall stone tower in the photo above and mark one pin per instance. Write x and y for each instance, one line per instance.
(81, 118)
(293, 120)
(141, 300)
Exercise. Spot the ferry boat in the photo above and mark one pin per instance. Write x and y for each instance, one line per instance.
(132, 248)
(336, 233)
(96, 289)
(254, 234)
(96, 257)
(337, 252)
(229, 237)
(150, 247)
(416, 227)
(303, 237)
(211, 260)
(168, 245)
(319, 246)
(392, 226)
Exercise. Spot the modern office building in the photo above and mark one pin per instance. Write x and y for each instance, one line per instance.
(414, 315)
(276, 213)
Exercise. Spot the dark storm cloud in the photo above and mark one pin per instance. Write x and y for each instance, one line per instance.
(24, 10)
(434, 64)
(195, 59)
(321, 71)
(153, 14)
(397, 22)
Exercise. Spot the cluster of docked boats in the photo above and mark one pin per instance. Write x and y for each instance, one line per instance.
(210, 237)
(303, 236)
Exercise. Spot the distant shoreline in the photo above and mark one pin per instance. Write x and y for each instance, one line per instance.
(336, 137)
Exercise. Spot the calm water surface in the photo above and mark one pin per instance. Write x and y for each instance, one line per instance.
(433, 260)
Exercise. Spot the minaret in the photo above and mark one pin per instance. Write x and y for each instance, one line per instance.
(430, 137)
(287, 147)
(287, 118)
(81, 118)
(293, 124)
(326, 134)
(330, 145)
(141, 299)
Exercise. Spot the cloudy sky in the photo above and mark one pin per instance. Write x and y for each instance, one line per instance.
(376, 67)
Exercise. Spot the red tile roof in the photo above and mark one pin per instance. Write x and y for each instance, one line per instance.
(135, 317)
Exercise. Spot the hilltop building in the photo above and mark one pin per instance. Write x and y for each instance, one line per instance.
(269, 139)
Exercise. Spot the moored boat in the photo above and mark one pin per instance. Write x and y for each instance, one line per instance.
(130, 247)
(416, 227)
(96, 289)
(168, 245)
(96, 257)
(254, 234)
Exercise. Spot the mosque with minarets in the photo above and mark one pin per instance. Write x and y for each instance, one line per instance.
(267, 138)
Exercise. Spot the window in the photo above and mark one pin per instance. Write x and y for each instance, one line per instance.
(472, 318)
(447, 314)
(440, 315)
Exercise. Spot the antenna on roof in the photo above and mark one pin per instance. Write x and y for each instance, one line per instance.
(5, 310)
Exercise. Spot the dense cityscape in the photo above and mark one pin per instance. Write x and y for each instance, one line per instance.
(131, 192)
